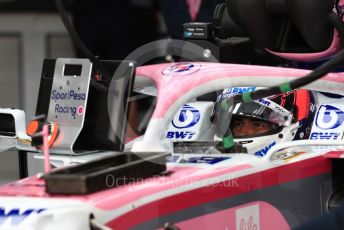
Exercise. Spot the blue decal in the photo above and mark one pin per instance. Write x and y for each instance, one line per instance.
(64, 97)
(70, 95)
(329, 117)
(65, 109)
(16, 215)
(178, 68)
(172, 158)
(263, 101)
(180, 135)
(264, 150)
(206, 160)
(236, 90)
(324, 136)
(182, 69)
(187, 118)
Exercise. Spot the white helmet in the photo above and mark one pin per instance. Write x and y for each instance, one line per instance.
(290, 116)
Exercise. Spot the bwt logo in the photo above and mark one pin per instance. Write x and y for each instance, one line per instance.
(187, 118)
(180, 135)
(263, 101)
(329, 117)
(324, 136)
(236, 90)
(16, 215)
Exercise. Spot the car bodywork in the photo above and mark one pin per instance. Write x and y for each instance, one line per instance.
(292, 183)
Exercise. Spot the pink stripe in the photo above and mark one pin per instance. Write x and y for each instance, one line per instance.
(45, 132)
(173, 86)
(334, 154)
(181, 176)
(118, 196)
(267, 178)
(194, 7)
(334, 48)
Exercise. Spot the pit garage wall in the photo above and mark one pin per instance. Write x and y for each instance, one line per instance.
(25, 40)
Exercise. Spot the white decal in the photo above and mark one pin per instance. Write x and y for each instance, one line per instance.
(247, 218)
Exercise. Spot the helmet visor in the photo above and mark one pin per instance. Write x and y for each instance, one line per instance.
(263, 110)
(267, 112)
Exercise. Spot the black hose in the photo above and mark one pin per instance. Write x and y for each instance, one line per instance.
(78, 41)
(316, 74)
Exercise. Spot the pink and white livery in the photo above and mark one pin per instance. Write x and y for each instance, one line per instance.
(291, 183)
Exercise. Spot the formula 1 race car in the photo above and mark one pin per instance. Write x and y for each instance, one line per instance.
(200, 186)
(197, 165)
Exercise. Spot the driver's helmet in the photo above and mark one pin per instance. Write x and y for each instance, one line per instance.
(288, 116)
